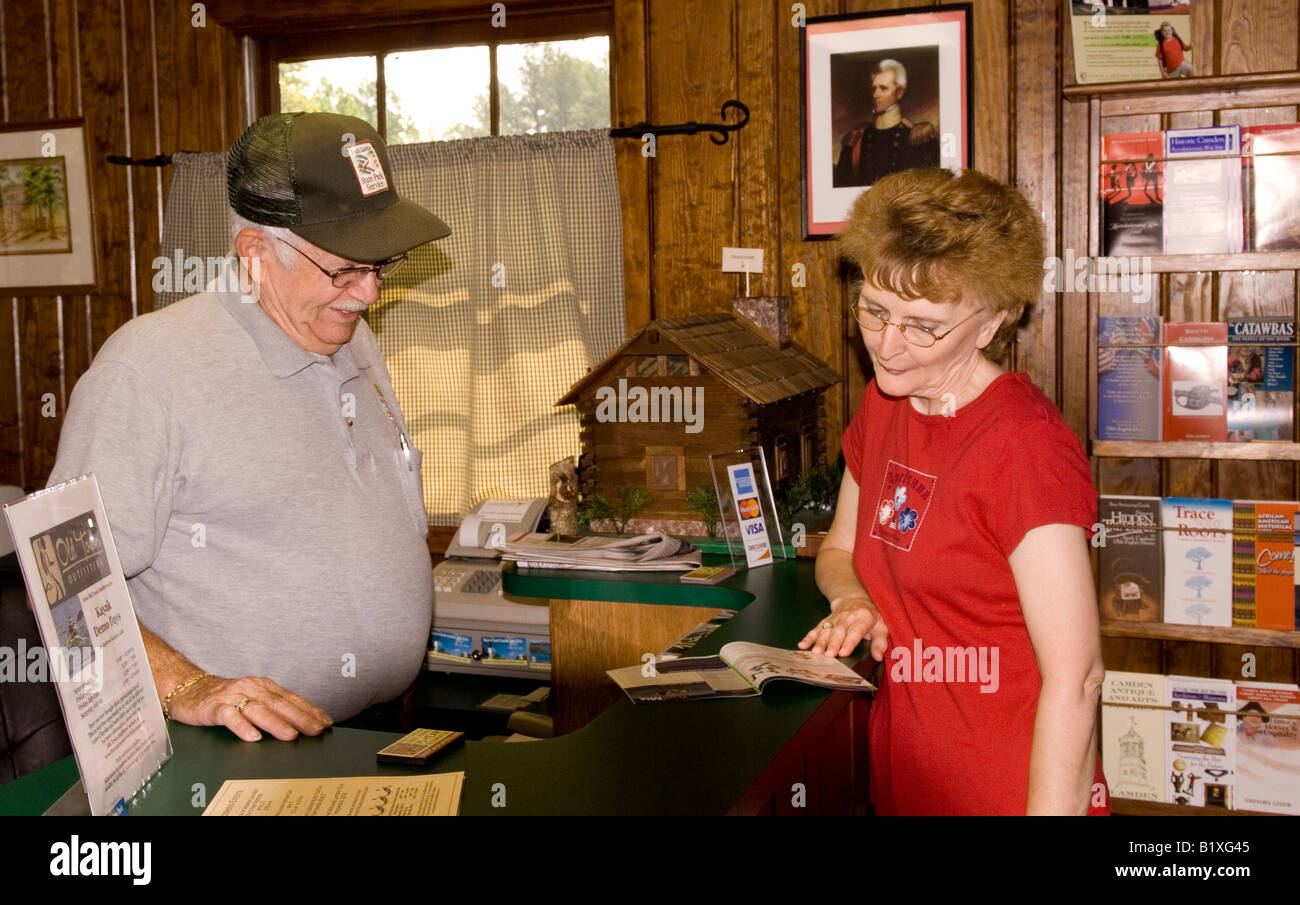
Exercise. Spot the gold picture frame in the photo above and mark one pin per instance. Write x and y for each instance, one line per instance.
(48, 244)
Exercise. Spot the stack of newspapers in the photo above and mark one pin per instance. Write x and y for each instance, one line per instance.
(646, 553)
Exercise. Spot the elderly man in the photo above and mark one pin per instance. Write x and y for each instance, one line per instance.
(889, 142)
(255, 467)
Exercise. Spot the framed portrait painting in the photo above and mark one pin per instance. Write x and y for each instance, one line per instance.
(883, 92)
(47, 222)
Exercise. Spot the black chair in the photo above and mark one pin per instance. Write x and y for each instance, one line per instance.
(32, 733)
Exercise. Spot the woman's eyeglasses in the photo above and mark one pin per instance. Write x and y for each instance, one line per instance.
(923, 337)
(350, 276)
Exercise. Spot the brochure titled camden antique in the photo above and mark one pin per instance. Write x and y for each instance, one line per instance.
(92, 645)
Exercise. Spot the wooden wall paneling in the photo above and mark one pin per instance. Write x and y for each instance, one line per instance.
(693, 204)
(1133, 655)
(65, 66)
(1256, 36)
(818, 319)
(1075, 211)
(100, 40)
(757, 184)
(1035, 140)
(1189, 658)
(12, 460)
(38, 328)
(142, 182)
(993, 89)
(628, 72)
(166, 53)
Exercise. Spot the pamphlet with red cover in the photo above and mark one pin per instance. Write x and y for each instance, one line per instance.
(1195, 388)
(1132, 193)
(1275, 565)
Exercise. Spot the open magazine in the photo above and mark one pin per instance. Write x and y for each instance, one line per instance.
(741, 669)
(655, 552)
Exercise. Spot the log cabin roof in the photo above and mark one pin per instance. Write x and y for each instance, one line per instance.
(731, 351)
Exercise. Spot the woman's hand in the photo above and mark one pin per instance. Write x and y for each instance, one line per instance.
(851, 620)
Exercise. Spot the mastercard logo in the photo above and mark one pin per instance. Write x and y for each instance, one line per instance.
(749, 508)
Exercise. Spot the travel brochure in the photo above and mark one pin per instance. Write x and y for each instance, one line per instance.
(436, 795)
(1188, 561)
(1212, 382)
(1132, 40)
(1207, 190)
(92, 640)
(1201, 742)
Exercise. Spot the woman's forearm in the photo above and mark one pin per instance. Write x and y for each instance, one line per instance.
(1063, 754)
(836, 577)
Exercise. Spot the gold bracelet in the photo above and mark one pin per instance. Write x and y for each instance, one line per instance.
(181, 687)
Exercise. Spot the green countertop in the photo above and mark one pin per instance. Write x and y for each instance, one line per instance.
(694, 757)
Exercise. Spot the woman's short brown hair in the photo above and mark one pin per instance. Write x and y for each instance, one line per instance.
(929, 234)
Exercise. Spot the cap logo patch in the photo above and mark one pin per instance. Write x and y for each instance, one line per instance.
(368, 169)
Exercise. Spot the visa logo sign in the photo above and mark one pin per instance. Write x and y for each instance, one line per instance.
(754, 529)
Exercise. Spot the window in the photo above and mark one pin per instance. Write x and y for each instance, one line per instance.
(665, 467)
(459, 92)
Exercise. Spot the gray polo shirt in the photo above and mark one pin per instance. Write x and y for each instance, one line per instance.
(266, 510)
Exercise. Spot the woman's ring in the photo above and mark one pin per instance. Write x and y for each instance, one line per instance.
(826, 625)
(243, 702)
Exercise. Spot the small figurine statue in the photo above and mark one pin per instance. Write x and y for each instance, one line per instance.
(563, 505)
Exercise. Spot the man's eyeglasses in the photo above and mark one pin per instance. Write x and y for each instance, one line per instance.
(350, 276)
(923, 337)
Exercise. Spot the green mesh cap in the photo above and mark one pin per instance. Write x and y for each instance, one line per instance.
(327, 178)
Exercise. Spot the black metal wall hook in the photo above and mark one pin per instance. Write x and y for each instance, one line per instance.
(720, 130)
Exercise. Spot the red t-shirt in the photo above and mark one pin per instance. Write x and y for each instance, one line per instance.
(1171, 51)
(943, 501)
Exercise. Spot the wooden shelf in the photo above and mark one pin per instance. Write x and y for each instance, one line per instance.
(1128, 807)
(1196, 449)
(1246, 260)
(1220, 92)
(1205, 634)
(1197, 85)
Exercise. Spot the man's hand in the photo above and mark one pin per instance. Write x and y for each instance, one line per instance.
(214, 701)
(921, 133)
(850, 621)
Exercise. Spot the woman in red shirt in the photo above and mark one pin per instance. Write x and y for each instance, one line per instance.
(959, 545)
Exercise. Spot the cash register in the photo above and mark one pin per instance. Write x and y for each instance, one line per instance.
(476, 628)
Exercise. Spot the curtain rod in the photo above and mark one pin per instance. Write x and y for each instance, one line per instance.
(721, 133)
(722, 130)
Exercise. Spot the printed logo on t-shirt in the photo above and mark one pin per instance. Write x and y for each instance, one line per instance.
(904, 497)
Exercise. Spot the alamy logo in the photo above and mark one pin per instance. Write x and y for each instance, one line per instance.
(102, 859)
(945, 664)
(652, 404)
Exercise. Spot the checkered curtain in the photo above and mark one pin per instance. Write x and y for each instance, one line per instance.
(484, 330)
(196, 221)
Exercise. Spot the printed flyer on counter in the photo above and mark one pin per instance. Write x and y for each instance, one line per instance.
(92, 643)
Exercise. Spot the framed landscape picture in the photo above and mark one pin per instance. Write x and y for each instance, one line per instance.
(883, 92)
(47, 231)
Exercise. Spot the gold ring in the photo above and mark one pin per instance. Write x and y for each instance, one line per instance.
(826, 625)
(243, 702)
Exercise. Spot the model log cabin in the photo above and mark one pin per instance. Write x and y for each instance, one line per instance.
(682, 388)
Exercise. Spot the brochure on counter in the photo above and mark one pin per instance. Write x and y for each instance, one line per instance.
(92, 644)
(436, 795)
(741, 669)
(655, 552)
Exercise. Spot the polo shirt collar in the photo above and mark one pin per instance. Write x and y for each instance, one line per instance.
(281, 352)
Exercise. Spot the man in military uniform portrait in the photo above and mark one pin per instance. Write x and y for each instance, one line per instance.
(889, 141)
